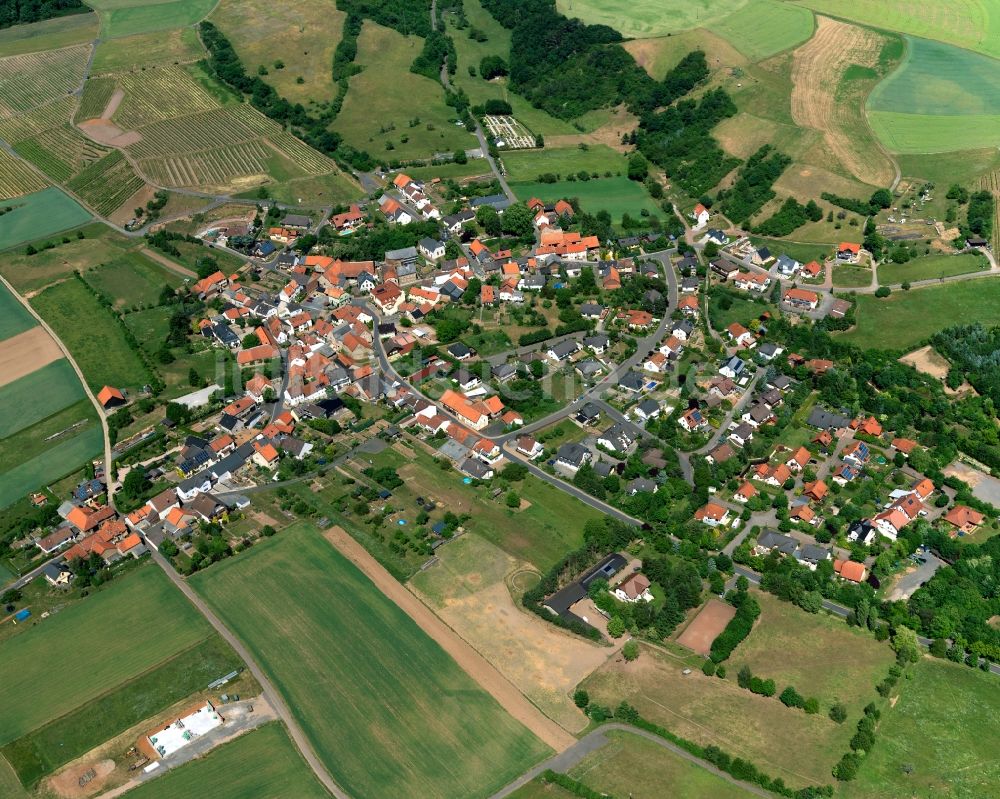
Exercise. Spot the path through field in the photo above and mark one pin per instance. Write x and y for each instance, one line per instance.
(468, 659)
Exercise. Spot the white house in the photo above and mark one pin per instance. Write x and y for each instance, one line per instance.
(700, 216)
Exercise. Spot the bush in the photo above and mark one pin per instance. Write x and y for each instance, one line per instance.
(581, 698)
(847, 769)
(883, 291)
(838, 713)
(708, 667)
(738, 628)
(811, 706)
(792, 698)
(631, 651)
(616, 627)
(720, 671)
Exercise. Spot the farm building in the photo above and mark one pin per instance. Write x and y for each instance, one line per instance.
(196, 721)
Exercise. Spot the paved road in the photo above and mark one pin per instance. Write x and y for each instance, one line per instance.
(741, 403)
(267, 689)
(22, 581)
(597, 740)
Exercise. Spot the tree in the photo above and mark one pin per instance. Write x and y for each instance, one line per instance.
(177, 413)
(904, 642)
(847, 769)
(631, 651)
(452, 249)
(513, 499)
(492, 66)
(459, 157)
(791, 698)
(518, 221)
(811, 706)
(708, 667)
(638, 166)
(267, 530)
(616, 627)
(581, 698)
(881, 198)
(744, 676)
(882, 292)
(939, 647)
(10, 595)
(838, 712)
(135, 483)
(489, 220)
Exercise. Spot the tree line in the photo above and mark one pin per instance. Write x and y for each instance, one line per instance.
(21, 12)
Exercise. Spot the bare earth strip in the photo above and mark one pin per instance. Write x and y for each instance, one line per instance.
(706, 626)
(25, 353)
(817, 68)
(464, 655)
(927, 360)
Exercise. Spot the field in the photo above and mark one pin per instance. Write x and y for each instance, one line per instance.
(163, 47)
(528, 165)
(906, 318)
(762, 28)
(658, 55)
(943, 727)
(131, 280)
(153, 95)
(947, 168)
(706, 626)
(128, 17)
(17, 178)
(92, 334)
(33, 79)
(851, 277)
(261, 763)
(40, 214)
(159, 623)
(56, 462)
(50, 34)
(107, 183)
(641, 18)
(971, 24)
(741, 310)
(470, 588)
(14, 318)
(97, 93)
(929, 267)
(617, 195)
(77, 419)
(386, 710)
(386, 104)
(37, 395)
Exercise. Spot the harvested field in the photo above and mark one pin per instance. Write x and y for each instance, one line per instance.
(706, 626)
(468, 587)
(818, 70)
(25, 353)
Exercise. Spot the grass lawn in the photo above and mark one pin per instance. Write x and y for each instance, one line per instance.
(944, 725)
(930, 267)
(261, 763)
(527, 165)
(128, 17)
(852, 277)
(92, 334)
(800, 251)
(474, 168)
(14, 318)
(617, 195)
(40, 214)
(388, 712)
(55, 462)
(44, 750)
(113, 635)
(48, 34)
(762, 28)
(741, 310)
(908, 317)
(132, 280)
(385, 100)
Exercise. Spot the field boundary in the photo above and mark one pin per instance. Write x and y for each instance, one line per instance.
(467, 658)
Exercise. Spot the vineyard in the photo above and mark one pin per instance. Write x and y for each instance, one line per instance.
(220, 127)
(60, 152)
(153, 95)
(24, 126)
(96, 95)
(17, 178)
(28, 81)
(107, 184)
(217, 167)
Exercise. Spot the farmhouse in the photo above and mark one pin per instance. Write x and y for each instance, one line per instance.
(110, 397)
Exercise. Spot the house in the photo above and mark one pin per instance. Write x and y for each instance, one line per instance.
(802, 299)
(772, 475)
(819, 366)
(647, 409)
(684, 329)
(824, 420)
(869, 426)
(498, 202)
(476, 469)
(110, 397)
(529, 447)
(700, 216)
(850, 570)
(572, 456)
(745, 492)
(923, 489)
(55, 540)
(904, 445)
(297, 221)
(657, 362)
(395, 212)
(349, 220)
(387, 298)
(597, 343)
(712, 513)
(634, 588)
(862, 531)
(591, 310)
(964, 518)
(692, 420)
(715, 236)
(618, 438)
(732, 367)
(803, 513)
(265, 456)
(742, 434)
(856, 453)
(631, 381)
(57, 574)
(722, 453)
(787, 267)
(431, 249)
(563, 350)
(752, 281)
(816, 490)
(811, 554)
(589, 368)
(812, 270)
(844, 474)
(455, 222)
(589, 414)
(724, 269)
(889, 522)
(772, 541)
(848, 252)
(460, 351)
(688, 306)
(799, 460)
(740, 336)
(769, 351)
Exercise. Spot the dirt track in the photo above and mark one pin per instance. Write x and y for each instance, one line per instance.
(26, 353)
(464, 655)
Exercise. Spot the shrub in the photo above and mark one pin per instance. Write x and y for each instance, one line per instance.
(791, 698)
(838, 713)
(631, 651)
(811, 705)
(847, 769)
(739, 627)
(708, 667)
(581, 698)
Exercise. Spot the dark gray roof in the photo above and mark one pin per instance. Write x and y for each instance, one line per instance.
(572, 453)
(631, 380)
(564, 348)
(825, 420)
(771, 539)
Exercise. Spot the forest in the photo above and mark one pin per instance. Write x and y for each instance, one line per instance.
(20, 12)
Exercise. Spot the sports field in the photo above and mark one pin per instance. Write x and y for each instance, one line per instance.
(529, 164)
(127, 17)
(762, 28)
(386, 710)
(92, 646)
(38, 215)
(617, 195)
(931, 267)
(261, 763)
(943, 726)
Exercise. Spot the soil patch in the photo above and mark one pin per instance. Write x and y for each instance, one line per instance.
(706, 626)
(113, 103)
(173, 266)
(104, 131)
(26, 353)
(928, 361)
(126, 210)
(474, 664)
(83, 779)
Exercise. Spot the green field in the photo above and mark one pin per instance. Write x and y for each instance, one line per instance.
(55, 462)
(762, 28)
(617, 195)
(641, 18)
(128, 17)
(527, 165)
(917, 133)
(931, 267)
(852, 277)
(132, 280)
(259, 764)
(388, 712)
(49, 34)
(92, 334)
(944, 726)
(947, 168)
(44, 750)
(113, 55)
(77, 419)
(40, 214)
(741, 310)
(14, 318)
(92, 646)
(908, 317)
(475, 167)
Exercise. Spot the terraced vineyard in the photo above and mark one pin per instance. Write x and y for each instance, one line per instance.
(28, 81)
(23, 126)
(153, 95)
(60, 152)
(17, 178)
(96, 94)
(107, 183)
(219, 127)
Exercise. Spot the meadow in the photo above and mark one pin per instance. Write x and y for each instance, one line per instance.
(388, 712)
(40, 214)
(114, 55)
(741, 310)
(86, 652)
(762, 28)
(50, 34)
(262, 763)
(132, 280)
(930, 267)
(128, 17)
(37, 395)
(92, 334)
(527, 165)
(55, 462)
(852, 277)
(17, 178)
(908, 317)
(617, 195)
(944, 726)
(641, 18)
(917, 133)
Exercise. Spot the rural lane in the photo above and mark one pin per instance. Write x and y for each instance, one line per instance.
(267, 689)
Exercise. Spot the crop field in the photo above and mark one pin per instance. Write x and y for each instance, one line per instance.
(762, 28)
(386, 104)
(50, 34)
(153, 95)
(906, 318)
(161, 622)
(17, 178)
(528, 165)
(946, 168)
(617, 195)
(308, 31)
(40, 214)
(388, 712)
(128, 17)
(107, 183)
(784, 742)
(972, 24)
(131, 280)
(943, 726)
(929, 267)
(641, 18)
(162, 47)
(96, 95)
(37, 395)
(74, 420)
(92, 334)
(14, 318)
(54, 463)
(262, 763)
(33, 79)
(917, 133)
